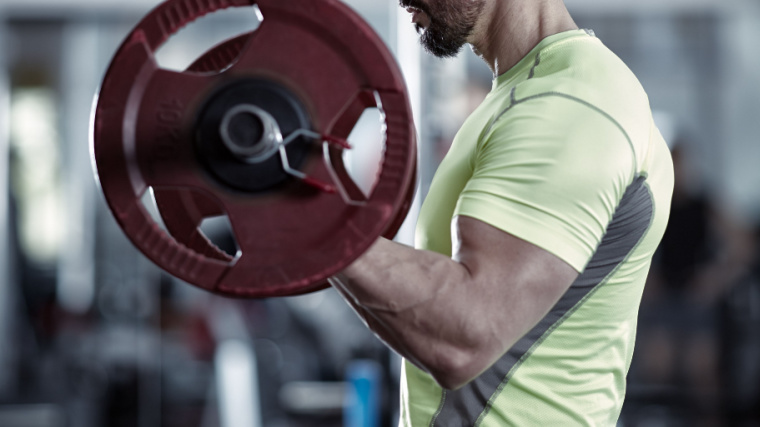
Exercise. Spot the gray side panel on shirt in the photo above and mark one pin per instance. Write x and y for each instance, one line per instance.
(631, 220)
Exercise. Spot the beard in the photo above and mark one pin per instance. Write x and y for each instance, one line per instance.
(451, 24)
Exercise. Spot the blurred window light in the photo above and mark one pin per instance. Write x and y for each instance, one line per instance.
(35, 173)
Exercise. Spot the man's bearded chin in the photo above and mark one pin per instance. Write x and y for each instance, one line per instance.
(449, 29)
(442, 41)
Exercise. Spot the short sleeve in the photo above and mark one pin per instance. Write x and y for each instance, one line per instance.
(551, 171)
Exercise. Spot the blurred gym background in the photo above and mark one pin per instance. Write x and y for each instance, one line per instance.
(92, 334)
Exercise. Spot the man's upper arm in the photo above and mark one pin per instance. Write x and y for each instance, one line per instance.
(553, 180)
(517, 282)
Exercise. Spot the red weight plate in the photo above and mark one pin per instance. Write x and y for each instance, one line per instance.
(290, 242)
(183, 211)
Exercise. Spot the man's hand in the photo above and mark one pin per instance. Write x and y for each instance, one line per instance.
(454, 317)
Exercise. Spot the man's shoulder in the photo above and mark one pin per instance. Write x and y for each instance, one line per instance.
(595, 82)
(582, 67)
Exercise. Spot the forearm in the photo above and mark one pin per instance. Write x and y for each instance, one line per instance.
(371, 321)
(417, 302)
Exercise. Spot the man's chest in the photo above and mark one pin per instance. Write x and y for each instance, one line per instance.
(434, 223)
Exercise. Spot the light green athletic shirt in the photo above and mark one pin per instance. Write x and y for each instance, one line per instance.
(564, 154)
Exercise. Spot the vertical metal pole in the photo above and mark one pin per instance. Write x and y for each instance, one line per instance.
(80, 74)
(7, 290)
(408, 53)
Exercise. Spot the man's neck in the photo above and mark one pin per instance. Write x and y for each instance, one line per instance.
(509, 29)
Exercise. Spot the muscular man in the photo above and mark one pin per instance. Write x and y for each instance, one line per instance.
(519, 304)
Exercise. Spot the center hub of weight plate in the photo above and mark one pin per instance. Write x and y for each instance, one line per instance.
(241, 128)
